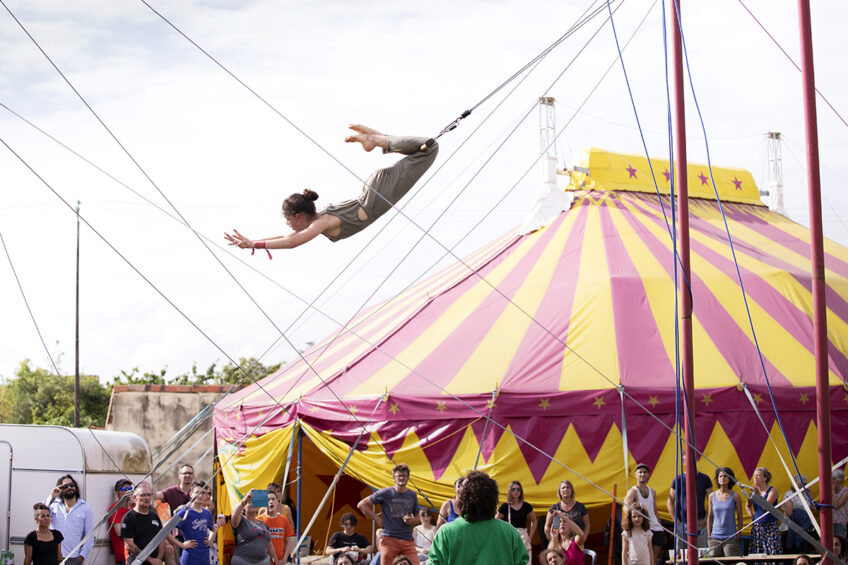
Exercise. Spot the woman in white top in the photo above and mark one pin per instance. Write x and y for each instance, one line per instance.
(646, 497)
(424, 532)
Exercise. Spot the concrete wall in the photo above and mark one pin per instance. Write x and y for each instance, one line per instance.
(156, 413)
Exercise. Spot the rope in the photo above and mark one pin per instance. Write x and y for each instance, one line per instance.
(791, 60)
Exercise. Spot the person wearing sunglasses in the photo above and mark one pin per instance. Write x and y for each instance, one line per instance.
(73, 517)
(122, 487)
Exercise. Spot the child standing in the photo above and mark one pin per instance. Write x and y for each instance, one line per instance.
(636, 537)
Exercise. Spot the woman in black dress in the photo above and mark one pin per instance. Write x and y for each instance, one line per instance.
(519, 513)
(43, 546)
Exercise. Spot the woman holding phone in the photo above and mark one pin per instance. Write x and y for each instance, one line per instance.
(254, 545)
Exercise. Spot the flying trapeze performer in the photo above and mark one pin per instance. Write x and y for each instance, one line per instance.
(382, 190)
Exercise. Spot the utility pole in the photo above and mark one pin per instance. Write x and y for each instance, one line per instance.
(76, 356)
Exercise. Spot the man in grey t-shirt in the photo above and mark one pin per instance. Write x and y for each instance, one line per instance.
(399, 507)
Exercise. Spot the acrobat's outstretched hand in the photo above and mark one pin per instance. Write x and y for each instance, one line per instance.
(238, 240)
(244, 243)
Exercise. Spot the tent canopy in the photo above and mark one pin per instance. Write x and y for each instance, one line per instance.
(565, 337)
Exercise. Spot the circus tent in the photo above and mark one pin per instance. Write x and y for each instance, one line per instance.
(551, 355)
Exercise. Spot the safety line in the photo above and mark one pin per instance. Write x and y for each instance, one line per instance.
(791, 60)
(26, 303)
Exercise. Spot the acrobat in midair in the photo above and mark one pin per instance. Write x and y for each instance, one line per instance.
(383, 189)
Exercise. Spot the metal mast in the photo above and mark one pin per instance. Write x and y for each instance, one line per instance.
(775, 172)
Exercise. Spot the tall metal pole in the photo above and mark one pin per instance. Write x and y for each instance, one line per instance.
(299, 484)
(817, 253)
(76, 352)
(680, 172)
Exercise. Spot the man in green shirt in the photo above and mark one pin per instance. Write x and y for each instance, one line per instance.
(476, 536)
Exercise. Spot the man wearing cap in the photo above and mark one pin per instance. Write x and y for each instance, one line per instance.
(647, 497)
(122, 487)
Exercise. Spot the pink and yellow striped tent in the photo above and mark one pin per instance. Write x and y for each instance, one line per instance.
(551, 355)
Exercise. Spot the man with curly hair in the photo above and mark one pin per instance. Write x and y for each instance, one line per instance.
(476, 536)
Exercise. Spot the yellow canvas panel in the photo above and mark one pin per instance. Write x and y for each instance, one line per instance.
(597, 169)
(253, 466)
(591, 331)
(492, 356)
(777, 345)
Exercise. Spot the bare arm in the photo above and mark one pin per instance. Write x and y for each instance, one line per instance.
(586, 526)
(534, 523)
(630, 498)
(365, 506)
(235, 518)
(549, 522)
(749, 507)
(771, 495)
(289, 241)
(709, 515)
(625, 547)
(738, 499)
(443, 515)
(656, 510)
(669, 503)
(28, 553)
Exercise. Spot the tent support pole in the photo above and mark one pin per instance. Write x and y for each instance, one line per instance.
(818, 280)
(299, 484)
(681, 171)
(332, 486)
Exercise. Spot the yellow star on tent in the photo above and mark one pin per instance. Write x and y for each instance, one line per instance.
(805, 398)
(238, 414)
(599, 402)
(545, 404)
(490, 403)
(441, 407)
(352, 410)
(313, 408)
(758, 398)
(846, 397)
(653, 401)
(261, 414)
(394, 408)
(707, 399)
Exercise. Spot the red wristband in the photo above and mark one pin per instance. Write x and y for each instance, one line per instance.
(259, 244)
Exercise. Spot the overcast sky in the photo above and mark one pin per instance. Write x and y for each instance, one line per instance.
(226, 160)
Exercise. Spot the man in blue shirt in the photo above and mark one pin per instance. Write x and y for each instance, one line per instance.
(676, 505)
(73, 517)
(399, 506)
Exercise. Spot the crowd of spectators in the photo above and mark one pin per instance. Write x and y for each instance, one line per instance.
(474, 526)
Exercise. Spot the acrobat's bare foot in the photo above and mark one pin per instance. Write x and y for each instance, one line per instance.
(368, 140)
(364, 129)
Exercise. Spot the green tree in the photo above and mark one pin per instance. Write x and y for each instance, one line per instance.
(37, 396)
(247, 370)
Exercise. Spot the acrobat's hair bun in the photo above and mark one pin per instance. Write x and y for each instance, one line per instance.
(310, 194)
